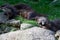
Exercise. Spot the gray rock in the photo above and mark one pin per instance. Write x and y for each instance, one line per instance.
(34, 33)
(42, 34)
(3, 18)
(13, 22)
(25, 26)
(6, 29)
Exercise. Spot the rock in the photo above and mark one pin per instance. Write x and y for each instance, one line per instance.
(14, 22)
(41, 34)
(34, 33)
(3, 18)
(57, 35)
(25, 26)
(6, 29)
(17, 35)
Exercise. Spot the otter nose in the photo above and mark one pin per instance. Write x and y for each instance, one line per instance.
(42, 23)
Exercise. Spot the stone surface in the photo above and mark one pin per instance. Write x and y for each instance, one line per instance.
(25, 26)
(3, 18)
(13, 22)
(34, 33)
